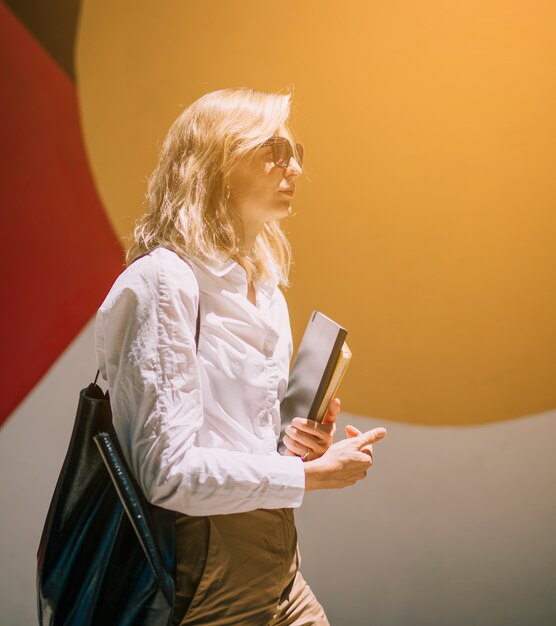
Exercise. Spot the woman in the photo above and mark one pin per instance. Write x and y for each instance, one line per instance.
(198, 414)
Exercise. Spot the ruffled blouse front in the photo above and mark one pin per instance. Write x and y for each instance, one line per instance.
(199, 430)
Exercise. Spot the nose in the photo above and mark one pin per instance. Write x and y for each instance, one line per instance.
(294, 169)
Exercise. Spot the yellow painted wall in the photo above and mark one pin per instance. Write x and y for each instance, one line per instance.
(426, 222)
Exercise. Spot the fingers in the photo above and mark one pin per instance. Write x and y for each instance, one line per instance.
(312, 428)
(295, 447)
(368, 450)
(351, 431)
(299, 442)
(332, 412)
(304, 435)
(365, 462)
(365, 458)
(370, 437)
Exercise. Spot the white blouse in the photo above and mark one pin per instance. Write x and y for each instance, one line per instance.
(199, 431)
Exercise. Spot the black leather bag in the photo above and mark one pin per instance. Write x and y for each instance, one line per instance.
(106, 556)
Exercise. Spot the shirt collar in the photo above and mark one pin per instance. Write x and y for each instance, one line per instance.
(267, 285)
(220, 265)
(223, 266)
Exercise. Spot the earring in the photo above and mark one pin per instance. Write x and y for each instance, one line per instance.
(228, 192)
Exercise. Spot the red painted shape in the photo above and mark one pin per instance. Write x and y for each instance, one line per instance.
(58, 252)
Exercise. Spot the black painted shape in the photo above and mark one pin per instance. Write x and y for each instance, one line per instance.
(54, 24)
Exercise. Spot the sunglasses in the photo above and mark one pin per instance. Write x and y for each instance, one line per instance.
(282, 151)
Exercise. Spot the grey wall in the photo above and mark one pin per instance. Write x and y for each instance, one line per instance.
(452, 526)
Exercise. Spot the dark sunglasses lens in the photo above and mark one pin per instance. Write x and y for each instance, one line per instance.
(282, 152)
(299, 150)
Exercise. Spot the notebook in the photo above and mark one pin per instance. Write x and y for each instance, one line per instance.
(339, 371)
(318, 369)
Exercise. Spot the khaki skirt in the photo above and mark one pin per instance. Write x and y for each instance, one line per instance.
(242, 569)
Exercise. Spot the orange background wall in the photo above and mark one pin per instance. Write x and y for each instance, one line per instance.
(425, 223)
(426, 220)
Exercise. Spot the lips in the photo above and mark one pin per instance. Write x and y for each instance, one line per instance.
(288, 192)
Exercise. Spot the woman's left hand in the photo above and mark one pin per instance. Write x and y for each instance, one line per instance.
(309, 439)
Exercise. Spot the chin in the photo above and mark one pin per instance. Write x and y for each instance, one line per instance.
(283, 209)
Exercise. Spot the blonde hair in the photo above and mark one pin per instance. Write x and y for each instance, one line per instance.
(187, 207)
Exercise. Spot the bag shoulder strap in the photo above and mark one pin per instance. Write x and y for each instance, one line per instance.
(185, 260)
(198, 320)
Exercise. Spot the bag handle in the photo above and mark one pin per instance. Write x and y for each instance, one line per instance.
(136, 509)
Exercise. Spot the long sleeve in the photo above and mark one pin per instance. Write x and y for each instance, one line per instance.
(146, 352)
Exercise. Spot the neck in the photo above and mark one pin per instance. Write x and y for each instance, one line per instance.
(248, 243)
(247, 235)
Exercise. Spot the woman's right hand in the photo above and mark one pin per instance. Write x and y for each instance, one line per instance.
(345, 462)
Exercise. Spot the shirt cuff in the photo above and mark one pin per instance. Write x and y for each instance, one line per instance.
(286, 482)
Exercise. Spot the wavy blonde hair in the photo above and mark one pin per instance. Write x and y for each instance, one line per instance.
(187, 208)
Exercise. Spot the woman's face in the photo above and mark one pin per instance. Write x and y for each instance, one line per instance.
(260, 191)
